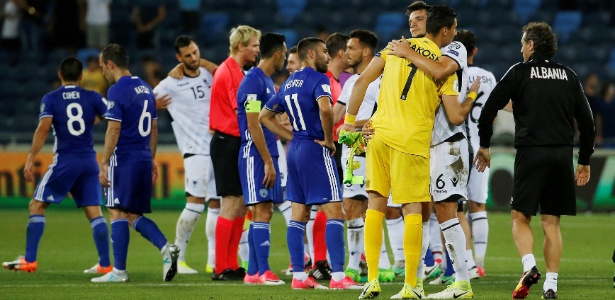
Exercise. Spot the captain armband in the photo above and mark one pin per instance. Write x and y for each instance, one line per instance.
(253, 106)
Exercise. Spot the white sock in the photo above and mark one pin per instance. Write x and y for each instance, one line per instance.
(244, 248)
(435, 240)
(309, 232)
(286, 210)
(480, 232)
(210, 231)
(470, 256)
(384, 262)
(395, 230)
(550, 282)
(528, 261)
(337, 276)
(301, 276)
(185, 226)
(456, 247)
(354, 233)
(420, 271)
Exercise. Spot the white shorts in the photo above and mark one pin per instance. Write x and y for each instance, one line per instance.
(478, 185)
(199, 177)
(449, 170)
(354, 191)
(282, 163)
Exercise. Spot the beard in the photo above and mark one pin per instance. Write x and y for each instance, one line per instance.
(321, 67)
(192, 67)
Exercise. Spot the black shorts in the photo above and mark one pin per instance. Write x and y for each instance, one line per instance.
(338, 160)
(224, 151)
(544, 177)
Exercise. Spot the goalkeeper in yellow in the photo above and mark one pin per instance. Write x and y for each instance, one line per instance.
(398, 153)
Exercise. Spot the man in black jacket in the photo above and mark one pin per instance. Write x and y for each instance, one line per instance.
(547, 98)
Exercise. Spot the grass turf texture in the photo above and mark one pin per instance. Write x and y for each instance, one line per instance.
(67, 249)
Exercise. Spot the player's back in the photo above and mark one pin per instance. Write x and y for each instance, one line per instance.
(487, 83)
(73, 110)
(132, 102)
(298, 97)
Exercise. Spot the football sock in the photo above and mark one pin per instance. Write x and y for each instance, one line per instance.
(294, 238)
(435, 238)
(286, 209)
(449, 271)
(210, 231)
(550, 282)
(480, 232)
(100, 231)
(429, 261)
(309, 233)
(335, 242)
(149, 230)
(395, 230)
(244, 246)
(528, 261)
(413, 235)
(355, 242)
(34, 233)
(470, 260)
(456, 247)
(320, 243)
(253, 262)
(224, 227)
(185, 226)
(420, 270)
(337, 276)
(120, 237)
(373, 230)
(262, 244)
(233, 246)
(384, 262)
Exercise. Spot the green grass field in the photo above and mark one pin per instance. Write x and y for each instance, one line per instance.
(67, 249)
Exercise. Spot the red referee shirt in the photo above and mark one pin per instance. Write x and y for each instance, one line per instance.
(336, 90)
(223, 105)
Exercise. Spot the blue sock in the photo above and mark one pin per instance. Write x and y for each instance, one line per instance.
(334, 236)
(294, 238)
(429, 261)
(149, 230)
(253, 262)
(120, 236)
(100, 231)
(262, 245)
(34, 233)
(449, 266)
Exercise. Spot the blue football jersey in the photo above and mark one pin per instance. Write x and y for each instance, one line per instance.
(297, 97)
(132, 102)
(256, 85)
(73, 110)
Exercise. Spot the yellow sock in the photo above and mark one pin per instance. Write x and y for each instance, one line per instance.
(413, 235)
(373, 230)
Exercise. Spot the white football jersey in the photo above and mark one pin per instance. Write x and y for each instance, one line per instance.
(189, 108)
(487, 83)
(442, 128)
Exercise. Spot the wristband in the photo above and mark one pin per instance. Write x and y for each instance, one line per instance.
(350, 119)
(472, 95)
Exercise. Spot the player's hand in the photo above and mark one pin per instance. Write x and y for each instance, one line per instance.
(330, 145)
(482, 160)
(368, 131)
(154, 171)
(177, 72)
(103, 175)
(398, 48)
(162, 102)
(270, 174)
(475, 85)
(27, 170)
(582, 175)
(347, 127)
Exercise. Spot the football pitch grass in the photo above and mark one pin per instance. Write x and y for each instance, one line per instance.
(67, 249)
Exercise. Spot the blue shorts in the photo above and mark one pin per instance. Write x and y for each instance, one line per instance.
(312, 174)
(74, 173)
(251, 174)
(131, 187)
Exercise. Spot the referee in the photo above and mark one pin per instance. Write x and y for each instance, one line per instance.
(547, 98)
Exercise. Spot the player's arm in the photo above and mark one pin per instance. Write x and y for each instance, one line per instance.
(339, 109)
(178, 71)
(326, 119)
(153, 142)
(499, 97)
(439, 70)
(371, 73)
(208, 65)
(456, 112)
(111, 137)
(253, 108)
(268, 119)
(38, 140)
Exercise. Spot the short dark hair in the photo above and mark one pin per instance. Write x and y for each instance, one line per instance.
(183, 41)
(306, 44)
(468, 39)
(440, 16)
(270, 43)
(366, 38)
(293, 49)
(417, 5)
(544, 39)
(70, 69)
(117, 54)
(336, 42)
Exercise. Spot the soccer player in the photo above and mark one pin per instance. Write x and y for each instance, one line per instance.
(189, 108)
(225, 145)
(547, 99)
(398, 153)
(127, 166)
(312, 175)
(258, 158)
(478, 182)
(293, 63)
(71, 111)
